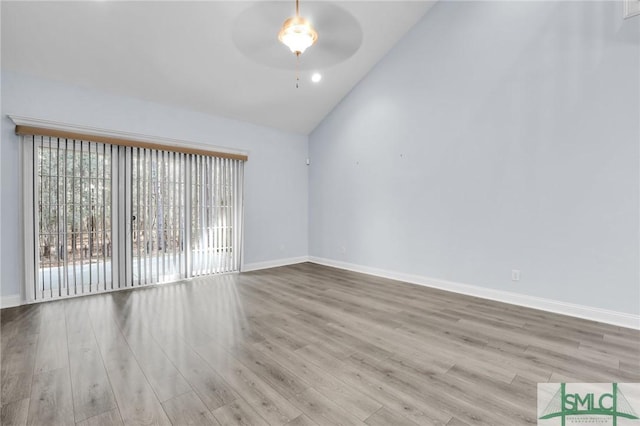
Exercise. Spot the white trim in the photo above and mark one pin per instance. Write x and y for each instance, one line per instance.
(631, 8)
(10, 301)
(138, 137)
(273, 263)
(620, 319)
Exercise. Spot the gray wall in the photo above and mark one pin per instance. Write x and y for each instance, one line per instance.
(494, 136)
(276, 179)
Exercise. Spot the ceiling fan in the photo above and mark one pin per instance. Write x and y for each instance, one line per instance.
(255, 34)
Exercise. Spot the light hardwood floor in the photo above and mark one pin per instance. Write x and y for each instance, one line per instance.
(297, 345)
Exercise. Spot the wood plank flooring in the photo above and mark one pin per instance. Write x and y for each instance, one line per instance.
(297, 345)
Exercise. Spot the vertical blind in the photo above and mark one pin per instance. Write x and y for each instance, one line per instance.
(107, 217)
(158, 221)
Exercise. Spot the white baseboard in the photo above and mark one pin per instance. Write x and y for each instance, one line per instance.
(10, 301)
(273, 263)
(620, 319)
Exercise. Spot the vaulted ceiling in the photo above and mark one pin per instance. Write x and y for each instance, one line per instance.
(219, 57)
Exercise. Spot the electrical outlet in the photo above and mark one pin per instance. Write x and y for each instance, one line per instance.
(515, 275)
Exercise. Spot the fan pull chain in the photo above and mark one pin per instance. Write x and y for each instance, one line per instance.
(297, 70)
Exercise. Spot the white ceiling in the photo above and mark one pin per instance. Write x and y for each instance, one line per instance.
(217, 57)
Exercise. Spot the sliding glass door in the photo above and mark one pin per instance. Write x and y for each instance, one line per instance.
(157, 240)
(72, 200)
(106, 217)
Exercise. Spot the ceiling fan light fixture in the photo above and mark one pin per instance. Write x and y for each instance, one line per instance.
(297, 34)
